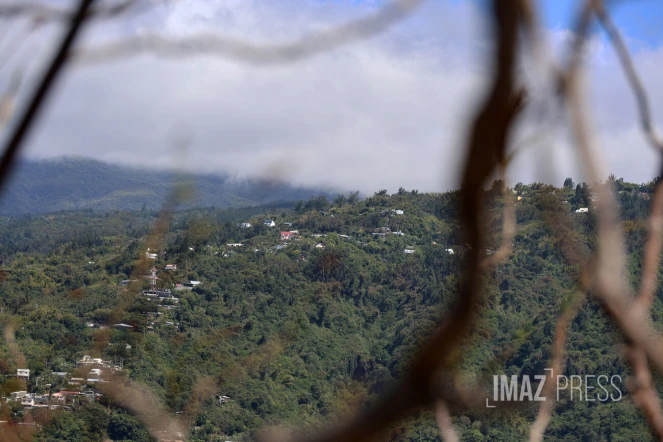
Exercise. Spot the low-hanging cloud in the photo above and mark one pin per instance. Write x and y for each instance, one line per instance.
(383, 113)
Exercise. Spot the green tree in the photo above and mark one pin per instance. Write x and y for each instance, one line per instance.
(340, 201)
(123, 427)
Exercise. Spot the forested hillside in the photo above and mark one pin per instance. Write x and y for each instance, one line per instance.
(299, 329)
(79, 183)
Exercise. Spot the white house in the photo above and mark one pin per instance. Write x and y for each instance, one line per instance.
(170, 267)
(16, 395)
(398, 211)
(408, 251)
(246, 225)
(269, 223)
(399, 233)
(151, 255)
(450, 251)
(23, 373)
(319, 246)
(582, 210)
(121, 326)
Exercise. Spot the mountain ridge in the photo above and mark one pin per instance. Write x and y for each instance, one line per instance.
(72, 183)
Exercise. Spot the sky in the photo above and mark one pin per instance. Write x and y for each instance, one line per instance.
(388, 111)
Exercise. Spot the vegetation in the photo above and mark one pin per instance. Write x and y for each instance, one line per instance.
(300, 334)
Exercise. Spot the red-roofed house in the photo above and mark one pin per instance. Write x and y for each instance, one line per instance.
(287, 235)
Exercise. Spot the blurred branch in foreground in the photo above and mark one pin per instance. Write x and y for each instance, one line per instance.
(239, 50)
(41, 93)
(44, 11)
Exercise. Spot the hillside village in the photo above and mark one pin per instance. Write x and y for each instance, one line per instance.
(290, 313)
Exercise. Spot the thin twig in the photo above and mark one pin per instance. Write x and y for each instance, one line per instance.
(443, 418)
(41, 93)
(651, 259)
(631, 74)
(643, 391)
(239, 50)
(7, 102)
(508, 228)
(631, 316)
(559, 343)
(47, 12)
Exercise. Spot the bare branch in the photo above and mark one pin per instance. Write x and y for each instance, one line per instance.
(651, 259)
(508, 228)
(47, 12)
(444, 422)
(558, 346)
(42, 92)
(486, 150)
(643, 391)
(10, 337)
(7, 102)
(239, 50)
(632, 317)
(631, 74)
(139, 399)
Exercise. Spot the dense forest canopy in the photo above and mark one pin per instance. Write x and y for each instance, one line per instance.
(297, 329)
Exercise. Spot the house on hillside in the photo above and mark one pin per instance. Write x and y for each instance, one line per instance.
(450, 251)
(319, 246)
(23, 373)
(399, 233)
(287, 235)
(408, 251)
(17, 395)
(397, 212)
(582, 210)
(123, 326)
(170, 267)
(245, 225)
(269, 223)
(149, 255)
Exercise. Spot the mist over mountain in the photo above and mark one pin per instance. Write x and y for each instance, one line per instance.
(70, 183)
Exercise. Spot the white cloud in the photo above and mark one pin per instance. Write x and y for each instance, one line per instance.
(384, 113)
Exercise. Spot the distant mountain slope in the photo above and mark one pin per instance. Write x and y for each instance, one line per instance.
(78, 183)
